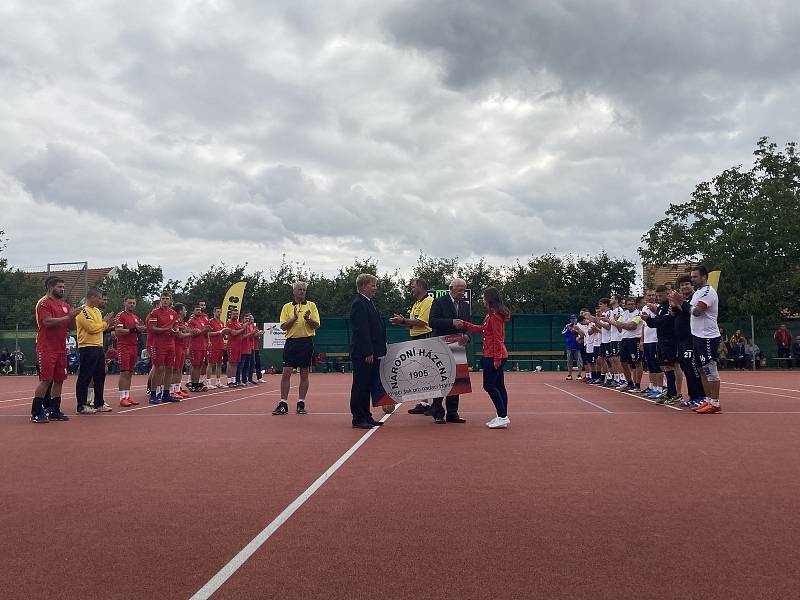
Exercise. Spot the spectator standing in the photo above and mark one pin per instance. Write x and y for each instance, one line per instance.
(5, 362)
(573, 347)
(783, 340)
(796, 351)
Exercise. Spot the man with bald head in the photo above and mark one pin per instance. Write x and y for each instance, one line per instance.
(445, 311)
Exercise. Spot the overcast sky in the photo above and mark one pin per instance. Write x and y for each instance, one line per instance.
(185, 133)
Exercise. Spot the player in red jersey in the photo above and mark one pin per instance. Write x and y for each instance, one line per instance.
(54, 318)
(127, 332)
(235, 332)
(161, 328)
(156, 304)
(246, 371)
(198, 329)
(182, 336)
(216, 346)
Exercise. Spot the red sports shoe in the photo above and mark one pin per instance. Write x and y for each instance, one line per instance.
(182, 395)
(709, 409)
(702, 405)
(125, 402)
(133, 402)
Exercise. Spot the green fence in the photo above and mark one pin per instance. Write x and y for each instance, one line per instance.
(524, 333)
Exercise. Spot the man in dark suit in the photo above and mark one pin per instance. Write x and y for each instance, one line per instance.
(444, 312)
(367, 346)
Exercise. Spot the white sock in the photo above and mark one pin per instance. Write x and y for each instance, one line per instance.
(219, 381)
(284, 400)
(159, 390)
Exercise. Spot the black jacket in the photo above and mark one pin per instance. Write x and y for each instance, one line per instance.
(443, 312)
(368, 329)
(664, 323)
(683, 328)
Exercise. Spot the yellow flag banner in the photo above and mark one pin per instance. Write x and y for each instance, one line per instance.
(233, 299)
(713, 279)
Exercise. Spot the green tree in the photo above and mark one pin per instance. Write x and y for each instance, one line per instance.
(19, 293)
(144, 282)
(479, 276)
(593, 277)
(745, 223)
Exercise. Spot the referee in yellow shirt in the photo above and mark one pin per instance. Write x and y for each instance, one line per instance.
(300, 320)
(90, 325)
(419, 329)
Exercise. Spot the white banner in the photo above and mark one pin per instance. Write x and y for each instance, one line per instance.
(274, 336)
(418, 370)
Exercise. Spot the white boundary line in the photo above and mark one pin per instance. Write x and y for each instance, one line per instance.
(579, 398)
(765, 387)
(245, 553)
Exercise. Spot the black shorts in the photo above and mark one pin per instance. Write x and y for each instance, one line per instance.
(298, 352)
(630, 351)
(651, 357)
(614, 348)
(588, 357)
(605, 350)
(705, 350)
(667, 351)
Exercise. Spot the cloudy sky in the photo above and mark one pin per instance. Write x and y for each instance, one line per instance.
(188, 132)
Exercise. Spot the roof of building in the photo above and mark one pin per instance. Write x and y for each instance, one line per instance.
(653, 275)
(74, 280)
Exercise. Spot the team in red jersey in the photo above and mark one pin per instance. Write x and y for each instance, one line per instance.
(127, 333)
(235, 331)
(161, 328)
(216, 347)
(54, 317)
(198, 346)
(182, 336)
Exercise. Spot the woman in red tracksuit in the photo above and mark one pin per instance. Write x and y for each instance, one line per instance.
(494, 354)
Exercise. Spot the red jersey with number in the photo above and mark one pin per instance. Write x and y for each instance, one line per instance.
(51, 339)
(234, 341)
(162, 317)
(217, 342)
(198, 342)
(127, 321)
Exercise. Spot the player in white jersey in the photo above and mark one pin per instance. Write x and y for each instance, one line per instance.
(630, 354)
(706, 338)
(612, 336)
(650, 346)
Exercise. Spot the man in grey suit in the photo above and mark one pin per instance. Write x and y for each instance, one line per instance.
(368, 345)
(445, 311)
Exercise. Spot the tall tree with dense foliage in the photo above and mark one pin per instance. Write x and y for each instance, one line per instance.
(745, 223)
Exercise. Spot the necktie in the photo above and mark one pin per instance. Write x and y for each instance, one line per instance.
(455, 306)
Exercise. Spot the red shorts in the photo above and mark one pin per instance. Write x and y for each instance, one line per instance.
(234, 354)
(52, 365)
(180, 357)
(127, 358)
(215, 356)
(163, 356)
(198, 356)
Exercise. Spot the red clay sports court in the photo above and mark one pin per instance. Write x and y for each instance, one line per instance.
(591, 493)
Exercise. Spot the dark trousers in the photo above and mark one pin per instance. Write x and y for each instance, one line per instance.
(494, 385)
(246, 365)
(784, 353)
(694, 385)
(364, 378)
(257, 361)
(92, 366)
(450, 403)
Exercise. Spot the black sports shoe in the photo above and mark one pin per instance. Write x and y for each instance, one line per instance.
(39, 417)
(58, 416)
(301, 407)
(419, 409)
(281, 409)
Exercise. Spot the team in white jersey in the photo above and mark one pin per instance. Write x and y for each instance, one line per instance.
(616, 342)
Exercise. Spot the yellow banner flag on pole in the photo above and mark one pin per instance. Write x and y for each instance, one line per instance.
(713, 279)
(233, 299)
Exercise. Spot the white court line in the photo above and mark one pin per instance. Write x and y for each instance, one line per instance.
(70, 395)
(765, 387)
(230, 401)
(245, 553)
(579, 398)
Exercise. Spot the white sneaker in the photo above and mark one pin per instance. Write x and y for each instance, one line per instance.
(489, 422)
(104, 408)
(87, 409)
(499, 423)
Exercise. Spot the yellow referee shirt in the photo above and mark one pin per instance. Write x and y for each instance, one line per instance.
(90, 327)
(421, 311)
(300, 329)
